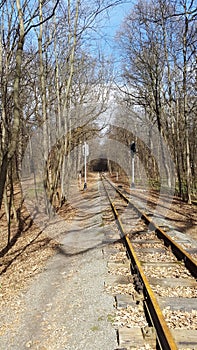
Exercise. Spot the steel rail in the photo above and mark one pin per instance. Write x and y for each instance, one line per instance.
(179, 252)
(164, 336)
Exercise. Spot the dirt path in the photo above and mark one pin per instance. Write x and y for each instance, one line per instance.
(66, 306)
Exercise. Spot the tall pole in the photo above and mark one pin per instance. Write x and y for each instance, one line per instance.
(133, 170)
(86, 154)
(133, 151)
(85, 170)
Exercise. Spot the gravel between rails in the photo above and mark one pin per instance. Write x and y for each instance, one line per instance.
(66, 306)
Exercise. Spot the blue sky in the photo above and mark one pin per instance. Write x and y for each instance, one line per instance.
(100, 39)
(112, 23)
(106, 26)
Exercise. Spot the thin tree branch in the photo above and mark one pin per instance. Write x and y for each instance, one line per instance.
(45, 20)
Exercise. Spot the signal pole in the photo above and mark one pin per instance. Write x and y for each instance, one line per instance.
(86, 154)
(133, 151)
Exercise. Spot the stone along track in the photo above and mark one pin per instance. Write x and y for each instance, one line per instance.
(163, 272)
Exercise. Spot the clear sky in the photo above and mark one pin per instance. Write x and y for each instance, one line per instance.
(107, 26)
(111, 24)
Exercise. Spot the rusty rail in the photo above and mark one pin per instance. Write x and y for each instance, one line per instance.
(164, 337)
(179, 252)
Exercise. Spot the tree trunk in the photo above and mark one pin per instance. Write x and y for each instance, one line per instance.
(185, 110)
(72, 40)
(17, 110)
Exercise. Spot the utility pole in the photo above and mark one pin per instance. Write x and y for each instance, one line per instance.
(86, 154)
(133, 151)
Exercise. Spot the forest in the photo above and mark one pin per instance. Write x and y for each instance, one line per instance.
(59, 89)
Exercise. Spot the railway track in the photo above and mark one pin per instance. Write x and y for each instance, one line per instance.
(163, 273)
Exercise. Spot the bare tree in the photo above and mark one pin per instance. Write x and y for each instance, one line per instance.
(159, 58)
